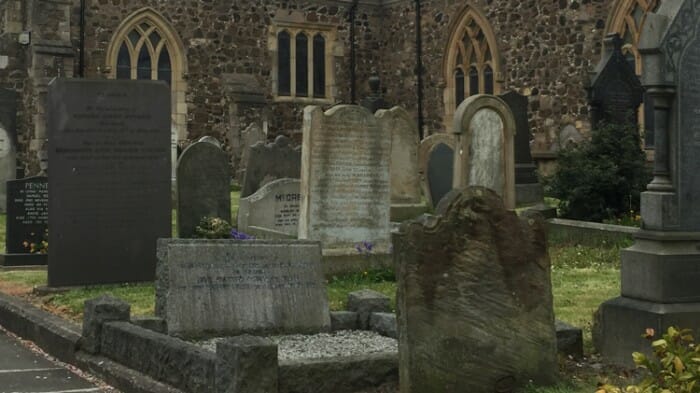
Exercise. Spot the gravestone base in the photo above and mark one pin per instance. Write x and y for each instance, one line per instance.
(267, 233)
(348, 260)
(528, 194)
(23, 259)
(406, 211)
(620, 323)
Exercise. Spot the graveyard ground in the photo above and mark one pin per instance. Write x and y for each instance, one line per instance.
(585, 272)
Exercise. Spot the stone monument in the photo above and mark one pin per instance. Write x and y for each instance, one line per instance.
(8, 141)
(375, 100)
(203, 186)
(405, 179)
(484, 128)
(615, 92)
(436, 155)
(272, 211)
(250, 136)
(528, 189)
(345, 187)
(474, 299)
(660, 271)
(27, 222)
(110, 196)
(267, 162)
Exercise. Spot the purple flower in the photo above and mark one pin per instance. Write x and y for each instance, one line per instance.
(368, 245)
(240, 235)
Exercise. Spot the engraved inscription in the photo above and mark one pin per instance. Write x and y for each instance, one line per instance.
(286, 210)
(27, 213)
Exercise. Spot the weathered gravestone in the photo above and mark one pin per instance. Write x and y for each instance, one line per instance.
(27, 222)
(436, 162)
(484, 127)
(228, 287)
(615, 91)
(405, 179)
(203, 186)
(344, 178)
(272, 211)
(8, 141)
(474, 299)
(110, 185)
(528, 190)
(660, 271)
(268, 162)
(249, 137)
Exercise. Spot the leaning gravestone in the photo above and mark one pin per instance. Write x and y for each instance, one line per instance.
(615, 91)
(659, 272)
(229, 287)
(474, 299)
(272, 211)
(27, 221)
(344, 178)
(110, 179)
(267, 162)
(8, 141)
(203, 186)
(436, 166)
(484, 127)
(528, 189)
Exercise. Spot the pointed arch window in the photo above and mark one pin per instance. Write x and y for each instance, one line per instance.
(144, 54)
(471, 62)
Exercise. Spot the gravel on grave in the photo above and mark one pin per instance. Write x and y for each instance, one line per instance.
(324, 345)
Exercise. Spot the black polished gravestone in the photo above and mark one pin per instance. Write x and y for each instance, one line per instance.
(528, 189)
(615, 92)
(27, 223)
(110, 179)
(203, 186)
(440, 171)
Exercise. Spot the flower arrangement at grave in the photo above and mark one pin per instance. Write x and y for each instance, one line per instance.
(37, 244)
(218, 228)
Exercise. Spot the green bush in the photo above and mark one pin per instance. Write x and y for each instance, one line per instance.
(601, 178)
(675, 367)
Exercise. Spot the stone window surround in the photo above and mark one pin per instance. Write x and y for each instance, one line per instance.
(178, 64)
(329, 33)
(457, 31)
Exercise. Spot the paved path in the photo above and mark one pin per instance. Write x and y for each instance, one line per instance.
(24, 371)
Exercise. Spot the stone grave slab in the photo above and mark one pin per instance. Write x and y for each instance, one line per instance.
(436, 166)
(485, 128)
(203, 186)
(272, 211)
(345, 184)
(474, 299)
(229, 287)
(27, 221)
(267, 162)
(110, 185)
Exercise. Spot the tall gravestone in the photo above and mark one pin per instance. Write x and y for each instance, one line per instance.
(436, 166)
(345, 184)
(660, 271)
(203, 186)
(528, 189)
(484, 128)
(272, 211)
(268, 162)
(27, 221)
(249, 137)
(474, 299)
(615, 92)
(8, 141)
(110, 185)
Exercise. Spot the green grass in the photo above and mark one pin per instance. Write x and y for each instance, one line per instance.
(28, 278)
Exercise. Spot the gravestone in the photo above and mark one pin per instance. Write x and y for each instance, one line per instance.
(528, 189)
(272, 211)
(203, 186)
(474, 299)
(229, 287)
(344, 178)
(8, 141)
(436, 165)
(27, 221)
(660, 271)
(249, 137)
(268, 162)
(615, 92)
(110, 179)
(484, 128)
(375, 100)
(405, 181)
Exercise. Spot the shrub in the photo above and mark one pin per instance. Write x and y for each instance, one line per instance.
(674, 368)
(601, 178)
